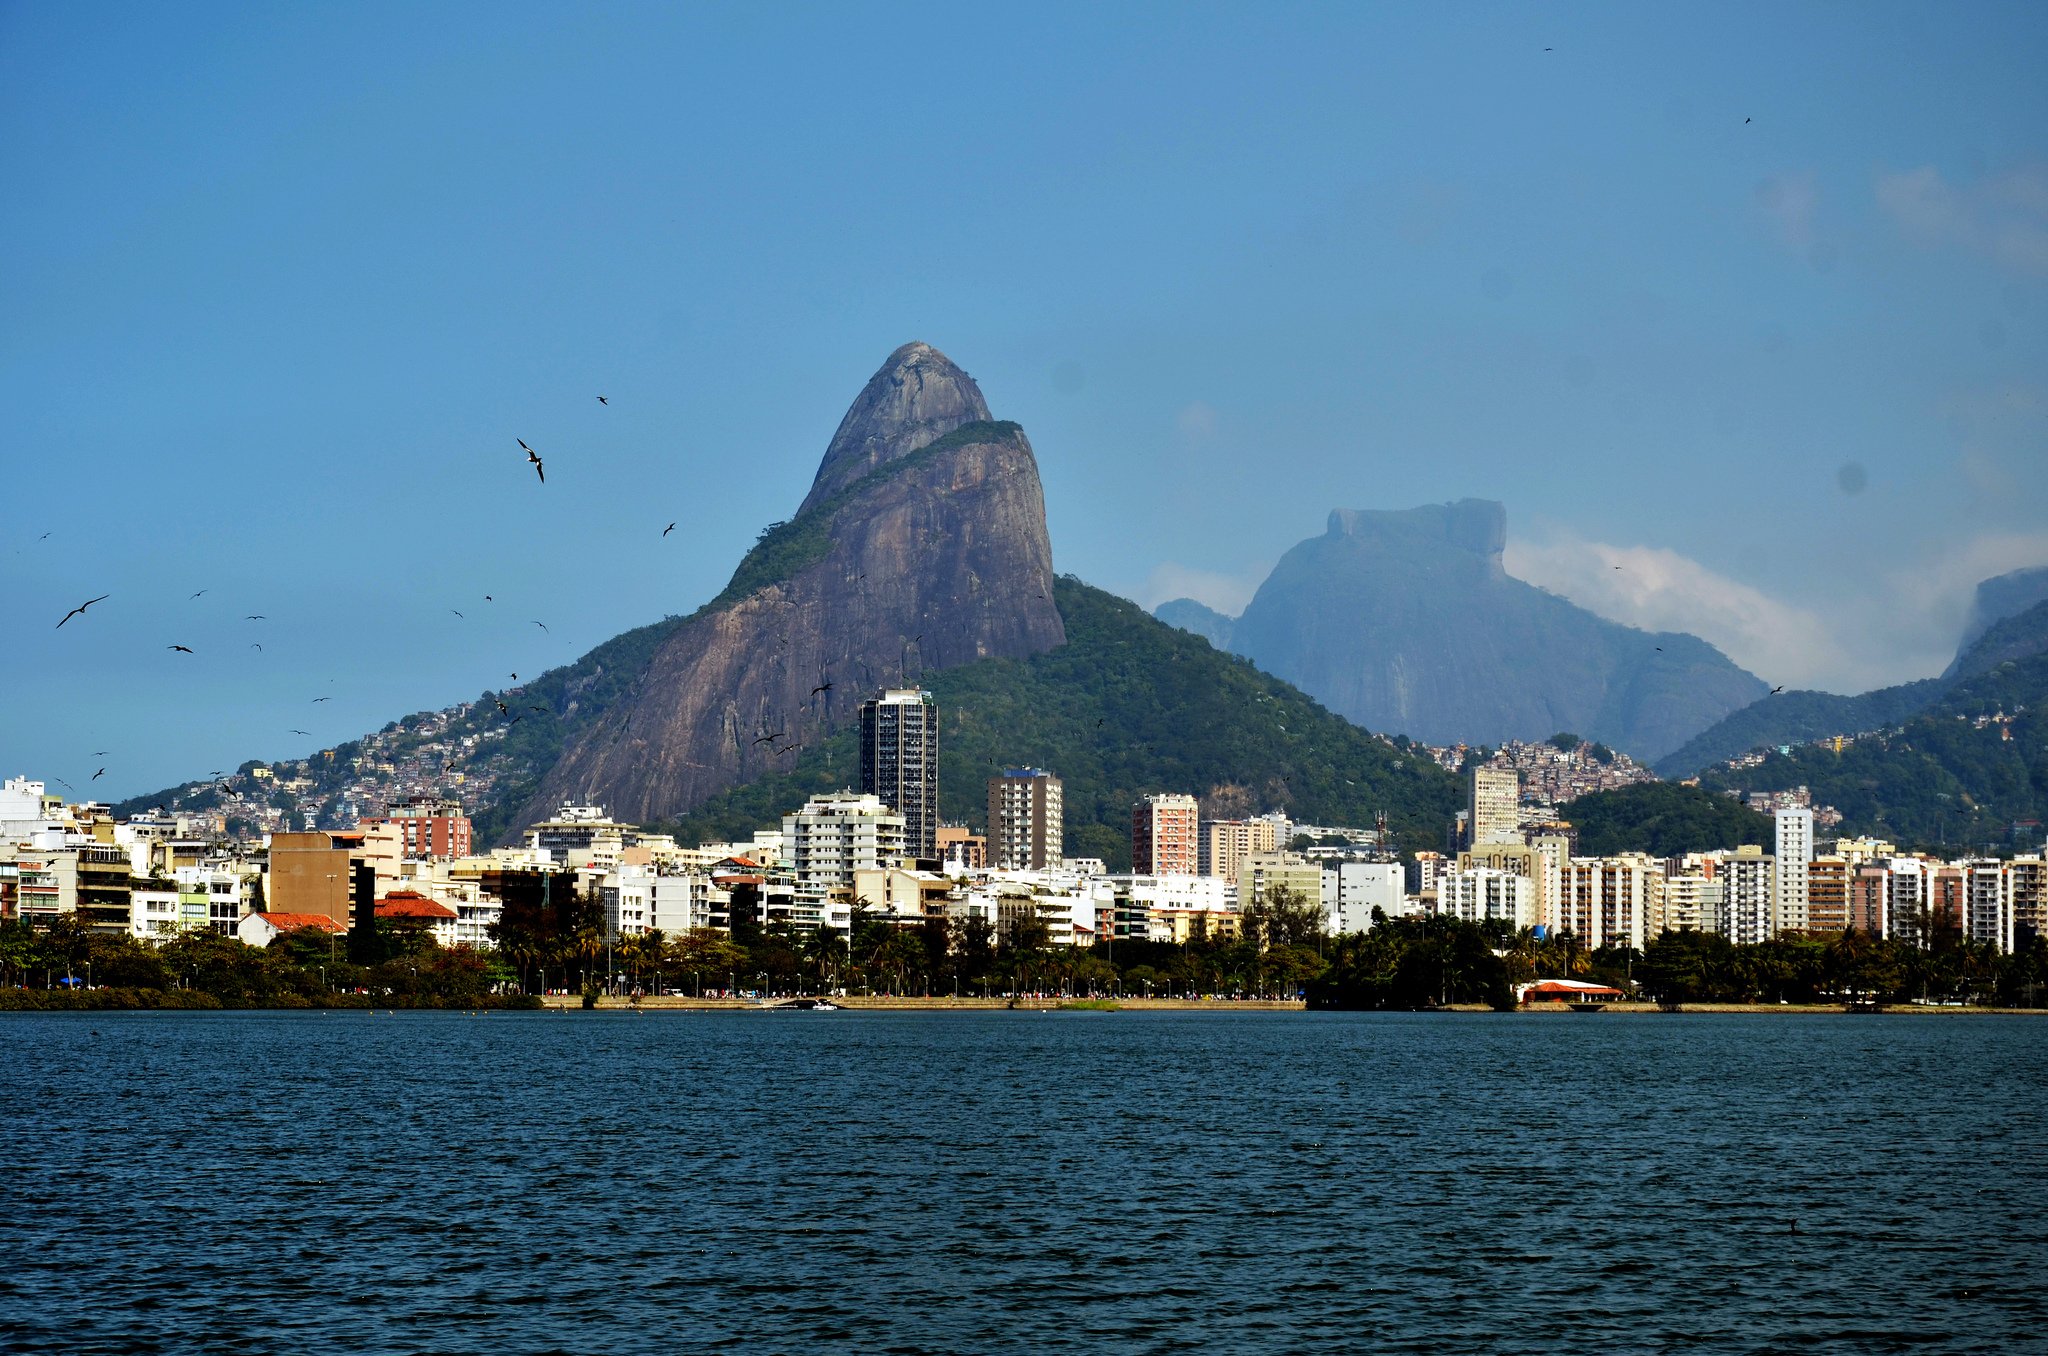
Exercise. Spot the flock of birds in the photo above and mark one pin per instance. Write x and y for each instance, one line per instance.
(533, 459)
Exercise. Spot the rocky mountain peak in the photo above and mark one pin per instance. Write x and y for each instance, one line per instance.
(919, 396)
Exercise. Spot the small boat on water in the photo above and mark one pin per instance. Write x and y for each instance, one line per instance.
(807, 1005)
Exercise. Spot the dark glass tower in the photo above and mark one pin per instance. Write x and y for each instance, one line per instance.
(899, 762)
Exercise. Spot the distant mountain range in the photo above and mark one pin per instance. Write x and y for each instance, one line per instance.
(1969, 768)
(1407, 621)
(1789, 718)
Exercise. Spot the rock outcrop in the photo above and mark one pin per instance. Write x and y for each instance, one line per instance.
(918, 397)
(1407, 622)
(921, 546)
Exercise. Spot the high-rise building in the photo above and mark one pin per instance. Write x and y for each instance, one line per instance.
(1226, 842)
(1495, 807)
(1795, 858)
(1827, 894)
(1163, 830)
(1026, 826)
(899, 762)
(835, 835)
(1748, 887)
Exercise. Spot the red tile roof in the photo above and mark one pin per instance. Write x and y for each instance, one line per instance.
(292, 922)
(408, 904)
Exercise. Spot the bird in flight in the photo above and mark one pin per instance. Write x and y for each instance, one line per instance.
(602, 401)
(1745, 122)
(254, 616)
(1776, 690)
(254, 646)
(83, 606)
(666, 530)
(44, 537)
(543, 626)
(822, 687)
(200, 594)
(487, 597)
(97, 775)
(769, 738)
(541, 709)
(515, 677)
(182, 649)
(318, 700)
(101, 753)
(457, 613)
(503, 709)
(534, 457)
(302, 732)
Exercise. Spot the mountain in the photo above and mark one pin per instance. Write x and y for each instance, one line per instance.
(1997, 598)
(921, 546)
(1129, 706)
(1200, 618)
(1966, 770)
(1788, 718)
(1407, 621)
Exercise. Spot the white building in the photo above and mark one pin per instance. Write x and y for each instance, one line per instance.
(1795, 861)
(1352, 890)
(1988, 914)
(1692, 902)
(1748, 895)
(1483, 895)
(835, 835)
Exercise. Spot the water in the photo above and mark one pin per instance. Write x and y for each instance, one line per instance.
(1001, 1182)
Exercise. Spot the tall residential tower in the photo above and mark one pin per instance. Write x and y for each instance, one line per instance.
(899, 762)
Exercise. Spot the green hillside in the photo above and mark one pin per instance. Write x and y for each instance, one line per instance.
(1662, 819)
(1800, 717)
(1129, 706)
(1938, 779)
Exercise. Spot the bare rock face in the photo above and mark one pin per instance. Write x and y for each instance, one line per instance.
(917, 550)
(1405, 621)
(918, 397)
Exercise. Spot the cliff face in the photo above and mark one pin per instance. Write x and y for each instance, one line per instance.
(918, 397)
(915, 551)
(1406, 622)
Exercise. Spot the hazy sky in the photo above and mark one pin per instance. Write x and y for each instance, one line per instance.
(1754, 298)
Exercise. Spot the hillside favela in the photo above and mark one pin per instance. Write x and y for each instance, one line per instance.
(1078, 680)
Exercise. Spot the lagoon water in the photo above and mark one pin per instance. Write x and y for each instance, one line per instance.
(1003, 1182)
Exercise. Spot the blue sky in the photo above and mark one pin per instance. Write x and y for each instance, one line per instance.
(280, 286)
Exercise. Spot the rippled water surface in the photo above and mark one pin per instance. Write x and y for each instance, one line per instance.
(1001, 1182)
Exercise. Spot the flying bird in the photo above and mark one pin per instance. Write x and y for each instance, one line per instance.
(180, 648)
(97, 775)
(770, 738)
(44, 537)
(543, 626)
(822, 687)
(534, 458)
(503, 709)
(515, 677)
(254, 616)
(302, 732)
(1745, 122)
(200, 594)
(541, 709)
(83, 606)
(602, 401)
(1776, 690)
(254, 646)
(666, 530)
(487, 597)
(318, 700)
(458, 614)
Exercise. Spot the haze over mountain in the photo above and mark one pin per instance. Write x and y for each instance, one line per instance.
(2004, 626)
(1406, 621)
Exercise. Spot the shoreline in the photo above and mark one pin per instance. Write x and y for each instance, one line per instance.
(574, 1003)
